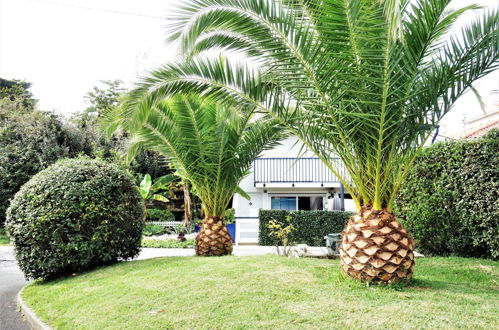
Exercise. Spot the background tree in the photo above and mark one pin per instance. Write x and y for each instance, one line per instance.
(17, 94)
(363, 80)
(210, 145)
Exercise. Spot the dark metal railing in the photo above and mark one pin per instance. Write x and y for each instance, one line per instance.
(295, 170)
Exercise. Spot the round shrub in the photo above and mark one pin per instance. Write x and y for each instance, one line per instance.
(449, 200)
(75, 215)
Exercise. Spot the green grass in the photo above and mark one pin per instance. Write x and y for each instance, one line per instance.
(4, 239)
(168, 243)
(267, 292)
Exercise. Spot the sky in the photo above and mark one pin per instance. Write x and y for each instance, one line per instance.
(65, 47)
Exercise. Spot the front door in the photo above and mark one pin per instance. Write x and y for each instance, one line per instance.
(249, 208)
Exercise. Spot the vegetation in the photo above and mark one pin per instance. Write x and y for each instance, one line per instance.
(449, 199)
(280, 234)
(152, 192)
(311, 226)
(212, 146)
(30, 140)
(155, 215)
(303, 293)
(151, 229)
(367, 81)
(73, 216)
(189, 243)
(4, 238)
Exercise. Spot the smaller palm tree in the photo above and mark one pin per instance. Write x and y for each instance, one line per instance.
(212, 146)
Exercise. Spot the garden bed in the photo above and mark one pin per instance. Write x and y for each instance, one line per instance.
(169, 241)
(267, 292)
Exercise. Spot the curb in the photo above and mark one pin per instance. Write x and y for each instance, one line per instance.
(29, 314)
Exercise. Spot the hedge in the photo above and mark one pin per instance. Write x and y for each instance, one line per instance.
(311, 226)
(450, 199)
(73, 216)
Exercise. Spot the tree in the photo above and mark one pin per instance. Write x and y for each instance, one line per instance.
(16, 93)
(211, 146)
(29, 142)
(363, 80)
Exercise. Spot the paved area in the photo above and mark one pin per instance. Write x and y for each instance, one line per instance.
(239, 250)
(11, 281)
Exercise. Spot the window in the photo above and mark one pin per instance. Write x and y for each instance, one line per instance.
(283, 203)
(310, 203)
(293, 203)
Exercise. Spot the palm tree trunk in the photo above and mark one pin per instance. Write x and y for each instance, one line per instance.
(213, 238)
(187, 205)
(375, 247)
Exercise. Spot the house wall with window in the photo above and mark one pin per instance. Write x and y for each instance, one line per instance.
(291, 178)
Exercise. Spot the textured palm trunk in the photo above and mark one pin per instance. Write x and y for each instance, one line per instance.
(213, 238)
(375, 247)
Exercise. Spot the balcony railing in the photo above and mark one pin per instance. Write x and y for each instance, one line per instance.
(295, 170)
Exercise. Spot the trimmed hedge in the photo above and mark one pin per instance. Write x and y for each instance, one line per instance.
(73, 216)
(311, 226)
(450, 199)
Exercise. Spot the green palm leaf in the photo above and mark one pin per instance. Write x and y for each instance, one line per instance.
(363, 80)
(210, 145)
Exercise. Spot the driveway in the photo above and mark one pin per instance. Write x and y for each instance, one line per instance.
(11, 281)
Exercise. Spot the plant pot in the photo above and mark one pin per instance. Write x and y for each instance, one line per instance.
(232, 231)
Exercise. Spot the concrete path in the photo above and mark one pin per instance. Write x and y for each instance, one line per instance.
(239, 250)
(11, 281)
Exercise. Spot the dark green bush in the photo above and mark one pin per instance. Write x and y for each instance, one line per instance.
(29, 142)
(73, 216)
(449, 201)
(152, 229)
(311, 226)
(154, 215)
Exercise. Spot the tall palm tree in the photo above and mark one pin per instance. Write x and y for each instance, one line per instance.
(211, 146)
(365, 80)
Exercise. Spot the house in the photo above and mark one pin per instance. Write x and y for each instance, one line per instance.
(287, 178)
(478, 126)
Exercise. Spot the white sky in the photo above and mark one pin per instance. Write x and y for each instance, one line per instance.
(65, 50)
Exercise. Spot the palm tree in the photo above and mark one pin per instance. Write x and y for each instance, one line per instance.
(364, 80)
(211, 146)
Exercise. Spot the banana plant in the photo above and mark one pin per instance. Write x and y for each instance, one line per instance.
(151, 191)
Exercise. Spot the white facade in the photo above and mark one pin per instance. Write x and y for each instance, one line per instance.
(286, 177)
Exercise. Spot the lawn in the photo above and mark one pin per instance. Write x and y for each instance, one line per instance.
(4, 239)
(267, 292)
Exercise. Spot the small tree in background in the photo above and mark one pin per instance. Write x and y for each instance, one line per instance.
(152, 191)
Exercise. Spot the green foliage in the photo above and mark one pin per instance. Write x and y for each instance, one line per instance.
(152, 229)
(169, 243)
(212, 146)
(150, 191)
(4, 238)
(159, 215)
(73, 216)
(16, 94)
(449, 201)
(281, 235)
(367, 81)
(311, 226)
(29, 142)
